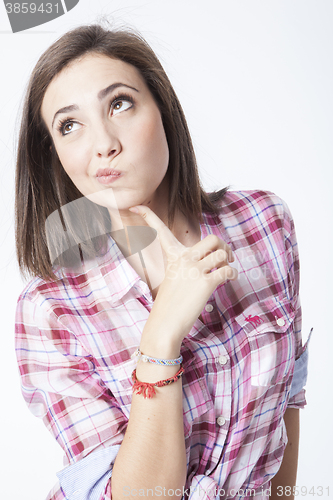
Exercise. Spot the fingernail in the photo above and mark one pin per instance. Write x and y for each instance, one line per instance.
(134, 209)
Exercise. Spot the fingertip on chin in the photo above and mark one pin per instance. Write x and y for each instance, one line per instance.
(139, 209)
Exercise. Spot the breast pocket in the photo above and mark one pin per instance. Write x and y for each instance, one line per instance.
(268, 326)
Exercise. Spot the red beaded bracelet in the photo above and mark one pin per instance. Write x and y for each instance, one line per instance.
(147, 389)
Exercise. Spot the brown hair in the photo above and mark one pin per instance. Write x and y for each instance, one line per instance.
(42, 185)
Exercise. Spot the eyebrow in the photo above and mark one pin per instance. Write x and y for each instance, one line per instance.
(101, 95)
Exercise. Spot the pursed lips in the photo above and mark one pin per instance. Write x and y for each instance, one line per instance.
(107, 175)
(104, 172)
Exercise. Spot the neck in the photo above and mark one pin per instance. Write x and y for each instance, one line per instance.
(185, 229)
(157, 202)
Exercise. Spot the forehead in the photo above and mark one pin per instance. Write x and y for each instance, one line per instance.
(86, 76)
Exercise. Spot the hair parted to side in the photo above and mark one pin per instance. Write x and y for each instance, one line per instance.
(42, 185)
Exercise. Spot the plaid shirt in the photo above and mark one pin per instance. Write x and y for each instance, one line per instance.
(75, 338)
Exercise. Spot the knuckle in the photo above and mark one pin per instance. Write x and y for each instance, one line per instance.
(186, 254)
(230, 253)
(231, 272)
(222, 274)
(221, 254)
(213, 239)
(206, 270)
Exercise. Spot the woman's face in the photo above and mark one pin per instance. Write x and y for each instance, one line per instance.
(108, 131)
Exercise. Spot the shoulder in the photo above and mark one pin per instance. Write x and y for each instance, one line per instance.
(39, 293)
(33, 302)
(73, 291)
(256, 206)
(253, 217)
(240, 201)
(33, 289)
(47, 309)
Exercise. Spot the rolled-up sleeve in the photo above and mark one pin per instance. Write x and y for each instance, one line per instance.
(297, 393)
(204, 488)
(88, 478)
(61, 386)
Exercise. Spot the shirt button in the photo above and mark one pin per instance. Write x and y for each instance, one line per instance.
(220, 420)
(223, 360)
(76, 493)
(209, 308)
(280, 322)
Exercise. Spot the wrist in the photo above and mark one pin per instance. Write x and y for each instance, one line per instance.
(148, 388)
(160, 340)
(149, 372)
(157, 361)
(159, 347)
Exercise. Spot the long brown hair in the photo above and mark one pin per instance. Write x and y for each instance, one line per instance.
(42, 185)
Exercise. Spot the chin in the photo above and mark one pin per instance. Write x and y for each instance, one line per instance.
(112, 199)
(125, 202)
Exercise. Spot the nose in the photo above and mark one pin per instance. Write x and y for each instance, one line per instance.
(107, 143)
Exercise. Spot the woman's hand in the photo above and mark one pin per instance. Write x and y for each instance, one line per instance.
(191, 276)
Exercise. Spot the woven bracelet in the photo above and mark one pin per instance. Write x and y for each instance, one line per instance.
(147, 389)
(156, 361)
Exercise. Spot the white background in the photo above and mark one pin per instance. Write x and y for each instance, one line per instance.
(255, 78)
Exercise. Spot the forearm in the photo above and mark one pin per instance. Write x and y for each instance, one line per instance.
(153, 449)
(286, 476)
(152, 453)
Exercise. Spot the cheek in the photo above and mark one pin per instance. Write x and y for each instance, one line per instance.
(153, 143)
(73, 161)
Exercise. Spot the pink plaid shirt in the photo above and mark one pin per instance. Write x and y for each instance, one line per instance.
(75, 338)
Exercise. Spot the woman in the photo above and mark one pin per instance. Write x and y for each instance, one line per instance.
(134, 262)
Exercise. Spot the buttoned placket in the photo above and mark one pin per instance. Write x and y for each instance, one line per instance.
(222, 402)
(221, 381)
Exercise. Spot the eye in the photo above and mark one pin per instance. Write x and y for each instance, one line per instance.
(67, 126)
(121, 103)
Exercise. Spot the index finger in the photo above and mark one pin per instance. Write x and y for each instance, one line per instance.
(212, 243)
(166, 237)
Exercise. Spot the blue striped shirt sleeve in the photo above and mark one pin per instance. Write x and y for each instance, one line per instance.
(300, 371)
(88, 478)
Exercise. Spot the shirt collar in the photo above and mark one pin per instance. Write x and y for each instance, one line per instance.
(116, 273)
(118, 277)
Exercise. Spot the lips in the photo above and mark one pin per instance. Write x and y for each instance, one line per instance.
(107, 175)
(105, 172)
